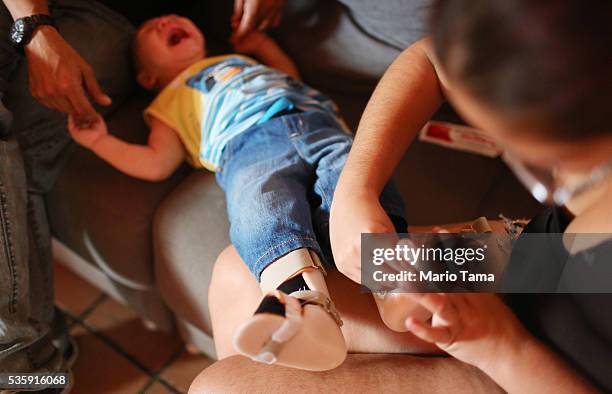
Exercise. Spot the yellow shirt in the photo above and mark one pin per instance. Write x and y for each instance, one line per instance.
(217, 98)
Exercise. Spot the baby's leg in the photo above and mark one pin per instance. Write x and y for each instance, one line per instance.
(394, 308)
(234, 295)
(296, 323)
(266, 185)
(298, 270)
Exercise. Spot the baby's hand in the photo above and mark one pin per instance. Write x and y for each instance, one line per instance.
(87, 134)
(473, 328)
(249, 43)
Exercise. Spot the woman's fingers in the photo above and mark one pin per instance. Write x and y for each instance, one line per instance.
(248, 20)
(439, 335)
(277, 19)
(238, 10)
(439, 304)
(71, 123)
(250, 15)
(264, 25)
(268, 18)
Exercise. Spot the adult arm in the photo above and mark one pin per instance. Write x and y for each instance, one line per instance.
(155, 161)
(530, 367)
(59, 77)
(266, 51)
(21, 8)
(404, 100)
(480, 329)
(251, 15)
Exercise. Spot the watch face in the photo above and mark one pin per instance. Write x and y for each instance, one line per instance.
(18, 31)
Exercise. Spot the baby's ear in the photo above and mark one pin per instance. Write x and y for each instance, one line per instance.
(146, 79)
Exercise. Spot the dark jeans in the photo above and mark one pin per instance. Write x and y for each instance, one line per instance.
(286, 169)
(34, 144)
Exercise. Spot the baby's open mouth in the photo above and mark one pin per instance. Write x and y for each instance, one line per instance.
(176, 36)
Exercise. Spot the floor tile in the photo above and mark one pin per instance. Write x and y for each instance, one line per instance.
(184, 369)
(73, 294)
(123, 326)
(158, 388)
(99, 369)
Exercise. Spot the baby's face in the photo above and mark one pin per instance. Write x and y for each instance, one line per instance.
(165, 46)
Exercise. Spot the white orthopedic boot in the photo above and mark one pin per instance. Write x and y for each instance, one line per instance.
(299, 330)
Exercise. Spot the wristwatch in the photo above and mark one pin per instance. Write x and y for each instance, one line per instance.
(23, 29)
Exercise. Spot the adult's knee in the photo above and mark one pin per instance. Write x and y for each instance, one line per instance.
(214, 379)
(238, 374)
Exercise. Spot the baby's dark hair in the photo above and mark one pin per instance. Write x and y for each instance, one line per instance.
(547, 60)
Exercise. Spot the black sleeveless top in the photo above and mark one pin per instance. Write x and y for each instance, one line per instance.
(578, 327)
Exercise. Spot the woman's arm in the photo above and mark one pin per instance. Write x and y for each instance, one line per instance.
(267, 51)
(530, 367)
(404, 100)
(155, 161)
(480, 329)
(20, 8)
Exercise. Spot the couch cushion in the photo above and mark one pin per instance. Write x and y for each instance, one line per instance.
(347, 45)
(190, 231)
(106, 217)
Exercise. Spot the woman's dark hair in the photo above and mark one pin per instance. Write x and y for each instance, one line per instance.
(547, 60)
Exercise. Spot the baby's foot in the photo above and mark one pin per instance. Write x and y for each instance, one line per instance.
(301, 330)
(395, 308)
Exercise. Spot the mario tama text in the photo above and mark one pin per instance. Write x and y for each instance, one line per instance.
(487, 262)
(431, 262)
(430, 276)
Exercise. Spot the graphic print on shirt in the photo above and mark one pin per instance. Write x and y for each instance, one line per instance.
(210, 76)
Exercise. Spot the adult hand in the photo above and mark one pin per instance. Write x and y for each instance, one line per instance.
(249, 43)
(250, 15)
(474, 328)
(350, 216)
(60, 78)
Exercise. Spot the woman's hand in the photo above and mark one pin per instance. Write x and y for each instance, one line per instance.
(480, 329)
(474, 328)
(262, 47)
(351, 215)
(59, 77)
(249, 43)
(87, 135)
(251, 15)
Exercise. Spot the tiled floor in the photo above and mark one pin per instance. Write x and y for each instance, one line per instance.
(117, 354)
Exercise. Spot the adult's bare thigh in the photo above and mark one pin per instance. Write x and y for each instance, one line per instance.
(360, 373)
(234, 295)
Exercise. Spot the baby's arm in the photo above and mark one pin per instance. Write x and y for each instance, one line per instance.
(267, 51)
(155, 161)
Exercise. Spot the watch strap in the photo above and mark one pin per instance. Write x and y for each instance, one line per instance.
(41, 19)
(33, 22)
